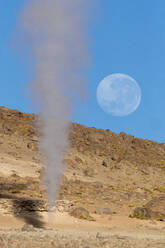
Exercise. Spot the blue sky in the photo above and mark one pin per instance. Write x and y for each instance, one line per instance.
(127, 37)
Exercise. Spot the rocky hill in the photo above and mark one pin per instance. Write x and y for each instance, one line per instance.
(103, 168)
(107, 174)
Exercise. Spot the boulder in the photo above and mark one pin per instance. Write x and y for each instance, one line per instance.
(141, 213)
(106, 211)
(157, 208)
(154, 209)
(81, 213)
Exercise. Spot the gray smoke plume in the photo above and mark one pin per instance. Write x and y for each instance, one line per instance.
(56, 31)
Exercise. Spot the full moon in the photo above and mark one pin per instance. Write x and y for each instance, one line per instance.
(118, 94)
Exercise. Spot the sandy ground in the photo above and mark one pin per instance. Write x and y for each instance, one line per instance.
(59, 229)
(65, 231)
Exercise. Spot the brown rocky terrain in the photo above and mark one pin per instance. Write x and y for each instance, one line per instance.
(112, 194)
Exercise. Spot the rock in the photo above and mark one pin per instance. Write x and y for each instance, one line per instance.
(140, 191)
(115, 157)
(81, 213)
(78, 160)
(126, 138)
(157, 208)
(64, 205)
(104, 163)
(2, 243)
(89, 172)
(27, 228)
(32, 146)
(61, 209)
(96, 137)
(98, 235)
(70, 163)
(7, 127)
(97, 185)
(154, 209)
(141, 213)
(106, 211)
(64, 180)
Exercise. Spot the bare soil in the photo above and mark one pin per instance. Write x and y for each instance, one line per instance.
(103, 170)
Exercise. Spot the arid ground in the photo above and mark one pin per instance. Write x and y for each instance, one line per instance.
(112, 193)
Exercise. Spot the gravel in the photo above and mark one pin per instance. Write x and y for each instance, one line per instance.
(41, 238)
